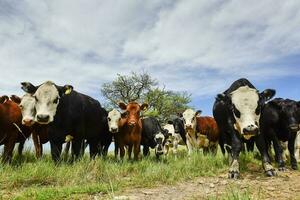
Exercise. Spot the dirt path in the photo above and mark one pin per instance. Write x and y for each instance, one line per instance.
(284, 186)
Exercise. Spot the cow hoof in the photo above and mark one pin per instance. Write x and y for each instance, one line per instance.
(233, 175)
(282, 169)
(294, 167)
(271, 173)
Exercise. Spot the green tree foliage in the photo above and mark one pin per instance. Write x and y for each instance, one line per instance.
(143, 88)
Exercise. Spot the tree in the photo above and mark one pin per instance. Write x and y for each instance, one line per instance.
(128, 88)
(143, 88)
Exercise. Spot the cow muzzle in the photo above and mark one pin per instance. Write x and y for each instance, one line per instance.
(43, 119)
(250, 131)
(114, 130)
(159, 150)
(27, 122)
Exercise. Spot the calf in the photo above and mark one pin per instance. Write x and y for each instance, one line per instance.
(280, 122)
(130, 133)
(201, 132)
(237, 112)
(174, 139)
(11, 129)
(67, 112)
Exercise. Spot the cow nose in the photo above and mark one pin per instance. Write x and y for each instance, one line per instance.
(188, 126)
(43, 118)
(250, 130)
(27, 122)
(293, 127)
(131, 123)
(114, 130)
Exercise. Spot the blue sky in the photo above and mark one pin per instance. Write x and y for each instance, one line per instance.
(195, 46)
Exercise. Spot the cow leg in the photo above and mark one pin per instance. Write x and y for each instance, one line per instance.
(122, 150)
(234, 170)
(116, 149)
(8, 150)
(93, 149)
(21, 147)
(189, 145)
(129, 151)
(291, 147)
(136, 150)
(55, 151)
(263, 149)
(250, 145)
(37, 145)
(77, 148)
(146, 150)
(278, 154)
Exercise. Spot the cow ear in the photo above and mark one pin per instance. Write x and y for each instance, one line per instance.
(198, 113)
(122, 105)
(65, 90)
(3, 99)
(15, 99)
(144, 106)
(28, 87)
(268, 94)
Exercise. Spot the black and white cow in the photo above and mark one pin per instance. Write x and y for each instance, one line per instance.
(68, 112)
(174, 139)
(237, 112)
(280, 122)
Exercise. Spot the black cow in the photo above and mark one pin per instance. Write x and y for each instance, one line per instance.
(280, 122)
(237, 112)
(179, 127)
(69, 113)
(153, 136)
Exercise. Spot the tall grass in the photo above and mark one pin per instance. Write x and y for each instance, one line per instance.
(28, 178)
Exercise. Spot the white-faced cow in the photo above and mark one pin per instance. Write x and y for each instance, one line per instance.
(280, 122)
(201, 132)
(174, 139)
(67, 112)
(237, 112)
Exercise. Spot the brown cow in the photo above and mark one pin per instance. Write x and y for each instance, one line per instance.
(130, 129)
(11, 129)
(201, 132)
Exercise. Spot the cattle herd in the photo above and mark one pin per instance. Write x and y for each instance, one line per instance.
(241, 116)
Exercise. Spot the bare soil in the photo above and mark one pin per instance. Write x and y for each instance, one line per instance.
(286, 185)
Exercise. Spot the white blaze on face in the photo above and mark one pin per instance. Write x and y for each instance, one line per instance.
(47, 99)
(113, 119)
(27, 106)
(189, 117)
(245, 101)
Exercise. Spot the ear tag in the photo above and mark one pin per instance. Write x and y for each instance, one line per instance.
(68, 91)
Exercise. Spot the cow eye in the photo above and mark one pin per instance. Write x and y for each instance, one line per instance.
(21, 107)
(108, 119)
(55, 100)
(236, 112)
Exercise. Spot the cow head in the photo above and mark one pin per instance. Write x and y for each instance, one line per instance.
(113, 120)
(289, 110)
(47, 98)
(245, 104)
(132, 112)
(160, 141)
(189, 118)
(27, 106)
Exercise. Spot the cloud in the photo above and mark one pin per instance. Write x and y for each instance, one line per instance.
(197, 46)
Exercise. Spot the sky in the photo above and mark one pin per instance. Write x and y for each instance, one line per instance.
(191, 45)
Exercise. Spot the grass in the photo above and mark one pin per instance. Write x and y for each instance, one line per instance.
(28, 178)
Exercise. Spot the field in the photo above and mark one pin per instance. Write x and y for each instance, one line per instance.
(197, 177)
